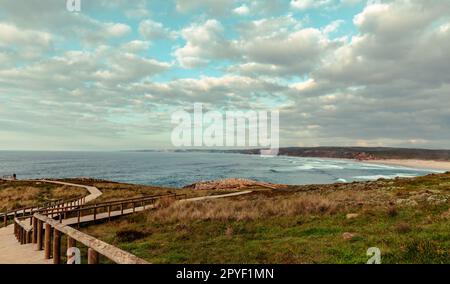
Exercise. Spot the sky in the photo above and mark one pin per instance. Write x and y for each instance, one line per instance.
(340, 72)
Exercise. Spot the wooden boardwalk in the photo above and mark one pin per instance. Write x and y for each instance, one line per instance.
(12, 252)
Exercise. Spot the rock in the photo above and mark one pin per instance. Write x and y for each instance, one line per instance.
(420, 196)
(437, 199)
(406, 202)
(232, 184)
(352, 215)
(348, 236)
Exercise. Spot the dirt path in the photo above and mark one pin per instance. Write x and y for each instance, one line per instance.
(94, 192)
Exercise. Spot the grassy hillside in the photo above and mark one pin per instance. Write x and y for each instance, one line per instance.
(19, 194)
(408, 219)
(116, 190)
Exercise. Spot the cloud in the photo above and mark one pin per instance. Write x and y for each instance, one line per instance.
(10, 34)
(203, 42)
(265, 46)
(152, 30)
(51, 16)
(216, 7)
(386, 85)
(135, 46)
(384, 82)
(308, 4)
(241, 10)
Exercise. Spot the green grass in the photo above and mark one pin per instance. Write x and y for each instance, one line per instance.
(418, 234)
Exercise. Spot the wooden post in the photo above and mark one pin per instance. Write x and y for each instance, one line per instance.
(5, 219)
(39, 235)
(95, 212)
(56, 247)
(134, 207)
(71, 243)
(93, 256)
(79, 217)
(24, 236)
(121, 208)
(48, 241)
(19, 234)
(109, 212)
(34, 239)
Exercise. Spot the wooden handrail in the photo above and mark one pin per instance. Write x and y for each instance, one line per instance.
(24, 210)
(105, 204)
(111, 252)
(76, 211)
(40, 228)
(33, 209)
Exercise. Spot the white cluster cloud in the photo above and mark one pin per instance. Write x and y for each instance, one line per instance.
(266, 46)
(385, 83)
(152, 30)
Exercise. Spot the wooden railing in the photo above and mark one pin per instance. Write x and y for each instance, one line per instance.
(42, 226)
(74, 211)
(47, 235)
(49, 205)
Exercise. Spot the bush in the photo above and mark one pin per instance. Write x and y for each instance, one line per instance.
(403, 228)
(130, 235)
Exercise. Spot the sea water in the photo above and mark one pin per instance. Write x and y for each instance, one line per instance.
(177, 169)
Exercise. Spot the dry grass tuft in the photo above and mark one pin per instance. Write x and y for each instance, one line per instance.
(164, 202)
(228, 209)
(403, 228)
(15, 195)
(392, 211)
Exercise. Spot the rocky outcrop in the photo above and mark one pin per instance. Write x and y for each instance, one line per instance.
(364, 157)
(232, 184)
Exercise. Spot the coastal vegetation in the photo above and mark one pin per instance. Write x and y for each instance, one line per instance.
(407, 219)
(116, 191)
(19, 194)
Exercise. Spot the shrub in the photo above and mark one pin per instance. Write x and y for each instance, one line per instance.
(392, 211)
(129, 235)
(403, 228)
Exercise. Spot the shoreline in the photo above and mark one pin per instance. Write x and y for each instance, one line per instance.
(413, 163)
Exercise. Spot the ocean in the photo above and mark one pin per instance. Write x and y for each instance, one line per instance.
(177, 169)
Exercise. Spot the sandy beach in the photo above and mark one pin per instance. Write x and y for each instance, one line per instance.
(420, 164)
